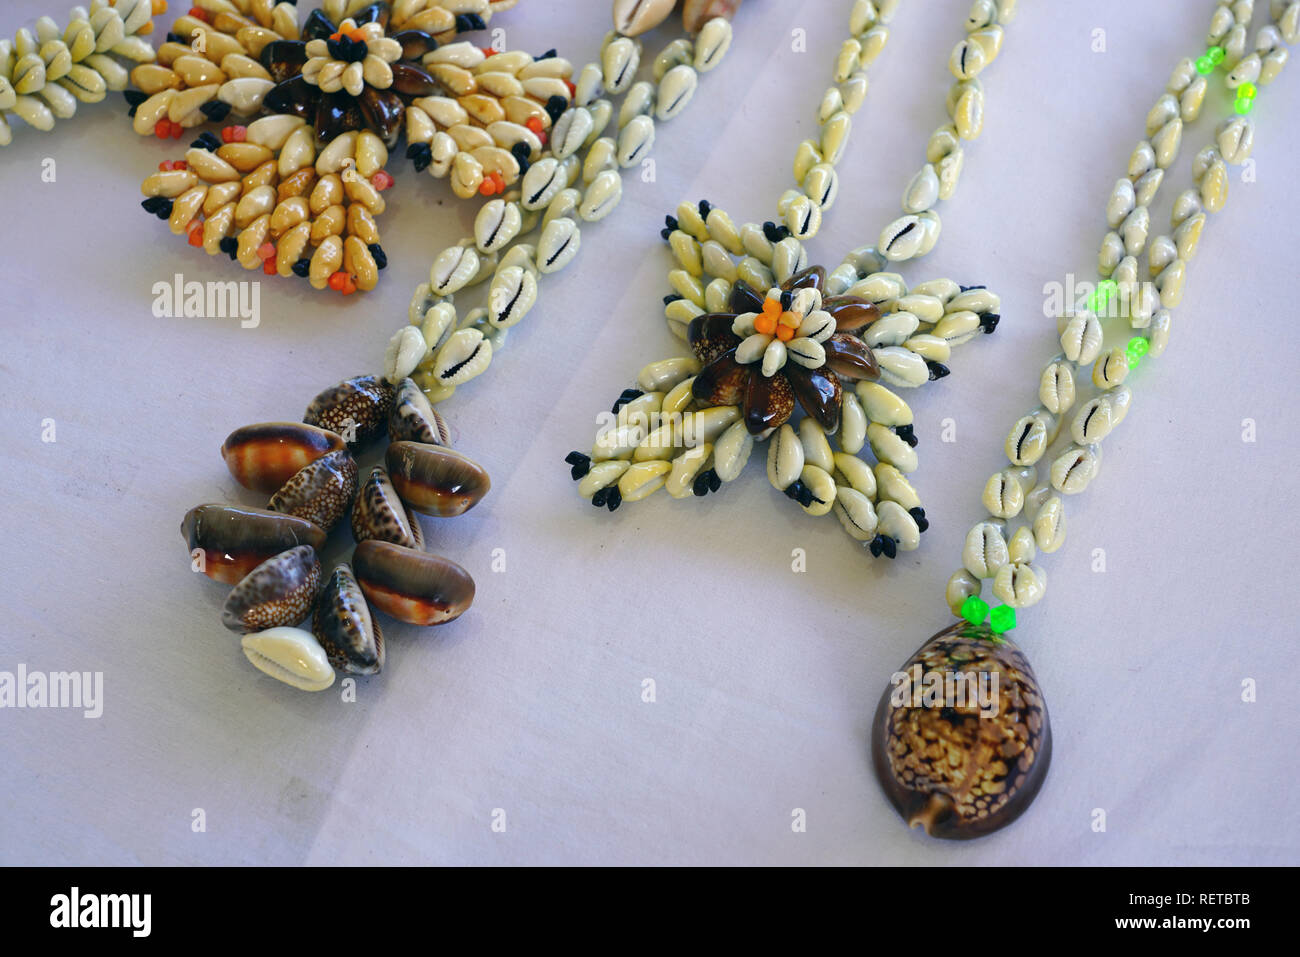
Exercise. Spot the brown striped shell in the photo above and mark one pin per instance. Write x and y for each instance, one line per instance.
(436, 480)
(232, 540)
(322, 491)
(343, 625)
(356, 409)
(279, 592)
(381, 515)
(265, 456)
(414, 587)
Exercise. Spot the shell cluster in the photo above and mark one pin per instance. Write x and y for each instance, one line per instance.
(44, 76)
(832, 346)
(270, 200)
(271, 556)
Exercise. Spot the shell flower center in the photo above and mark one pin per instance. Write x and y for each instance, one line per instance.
(776, 320)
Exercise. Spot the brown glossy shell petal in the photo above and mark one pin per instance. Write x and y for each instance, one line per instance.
(819, 392)
(814, 277)
(343, 625)
(850, 313)
(768, 402)
(415, 587)
(745, 299)
(235, 539)
(710, 335)
(850, 358)
(361, 403)
(263, 457)
(321, 492)
(724, 381)
(950, 770)
(278, 592)
(436, 480)
(381, 515)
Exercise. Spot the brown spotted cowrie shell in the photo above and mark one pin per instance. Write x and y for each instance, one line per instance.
(343, 625)
(263, 457)
(413, 418)
(967, 770)
(356, 408)
(414, 587)
(381, 515)
(321, 491)
(277, 593)
(232, 540)
(436, 480)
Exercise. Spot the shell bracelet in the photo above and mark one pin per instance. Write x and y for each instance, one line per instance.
(296, 192)
(43, 77)
(270, 555)
(950, 770)
(445, 343)
(767, 331)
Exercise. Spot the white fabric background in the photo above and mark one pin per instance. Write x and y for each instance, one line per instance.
(766, 679)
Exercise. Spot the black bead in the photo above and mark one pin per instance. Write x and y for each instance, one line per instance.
(302, 268)
(906, 434)
(207, 141)
(787, 300)
(671, 297)
(153, 204)
(989, 322)
(134, 97)
(626, 396)
(665, 233)
(521, 152)
(469, 21)
(806, 496)
(615, 498)
(556, 106)
(177, 38)
(875, 546)
(671, 222)
(380, 257)
(937, 370)
(918, 515)
(715, 483)
(579, 470)
(215, 110)
(792, 490)
(421, 155)
(599, 498)
(339, 48)
(548, 55)
(576, 458)
(700, 487)
(705, 209)
(775, 233)
(131, 111)
(969, 288)
(888, 546)
(164, 209)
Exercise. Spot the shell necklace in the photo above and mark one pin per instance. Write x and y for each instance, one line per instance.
(447, 343)
(767, 330)
(948, 769)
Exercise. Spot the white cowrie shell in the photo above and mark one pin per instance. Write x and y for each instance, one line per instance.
(840, 279)
(923, 191)
(821, 185)
(832, 102)
(1003, 495)
(601, 475)
(890, 448)
(856, 513)
(945, 290)
(635, 141)
(857, 473)
(853, 424)
(1186, 204)
(1134, 230)
(893, 486)
(1274, 60)
(978, 300)
(676, 90)
(643, 479)
(665, 374)
(1112, 250)
(1214, 186)
(570, 131)
(894, 522)
(931, 225)
(1147, 185)
(788, 258)
(835, 137)
(1021, 548)
(712, 43)
(985, 550)
(816, 448)
(774, 357)
(1166, 142)
(512, 295)
(902, 239)
(1247, 70)
(496, 225)
(1056, 387)
(1049, 524)
(1093, 422)
(901, 367)
(1121, 400)
(438, 323)
(930, 348)
(806, 156)
(1073, 469)
(540, 184)
(558, 245)
(601, 197)
(1082, 337)
(892, 330)
(1122, 202)
(785, 458)
(942, 142)
(853, 92)
(639, 101)
(1142, 160)
(881, 405)
(925, 307)
(968, 58)
(406, 350)
(819, 482)
(873, 41)
(601, 155)
(1110, 369)
(1166, 109)
(465, 355)
(453, 269)
(962, 584)
(617, 442)
(589, 86)
(968, 112)
(1019, 584)
(1236, 139)
(1182, 75)
(1169, 283)
(291, 655)
(685, 469)
(1160, 254)
(686, 250)
(717, 262)
(731, 451)
(717, 295)
(848, 60)
(619, 61)
(1028, 439)
(949, 170)
(957, 328)
(1192, 98)
(879, 288)
(807, 352)
(803, 217)
(755, 273)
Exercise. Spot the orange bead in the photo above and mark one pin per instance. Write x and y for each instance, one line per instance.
(765, 324)
(266, 251)
(180, 164)
(177, 130)
(772, 307)
(382, 180)
(791, 319)
(268, 266)
(159, 7)
(357, 34)
(349, 284)
(784, 333)
(534, 123)
(336, 281)
(162, 129)
(165, 165)
(199, 13)
(196, 236)
(487, 187)
(499, 181)
(336, 36)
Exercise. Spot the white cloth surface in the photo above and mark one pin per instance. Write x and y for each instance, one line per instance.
(765, 679)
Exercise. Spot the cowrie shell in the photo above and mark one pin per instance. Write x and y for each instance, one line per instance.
(1073, 469)
(901, 367)
(1029, 438)
(1003, 496)
(558, 245)
(883, 406)
(1019, 584)
(601, 197)
(496, 224)
(961, 585)
(513, 293)
(635, 141)
(1092, 422)
(453, 269)
(643, 479)
(856, 513)
(406, 350)
(896, 523)
(619, 62)
(465, 355)
(853, 424)
(985, 550)
(712, 43)
(902, 239)
(890, 449)
(676, 90)
(1049, 524)
(788, 258)
(570, 131)
(857, 473)
(1082, 337)
(731, 451)
(785, 458)
(923, 191)
(891, 330)
(685, 469)
(1056, 388)
(601, 475)
(540, 184)
(803, 217)
(291, 655)
(1236, 139)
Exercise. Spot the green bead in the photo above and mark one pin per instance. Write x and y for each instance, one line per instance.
(1215, 55)
(1110, 287)
(1247, 91)
(1138, 346)
(1204, 65)
(975, 609)
(1243, 106)
(1002, 620)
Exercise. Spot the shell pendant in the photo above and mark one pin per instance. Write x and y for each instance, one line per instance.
(961, 740)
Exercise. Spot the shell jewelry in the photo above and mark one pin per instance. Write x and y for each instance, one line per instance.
(270, 554)
(532, 231)
(339, 91)
(43, 77)
(769, 332)
(949, 770)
